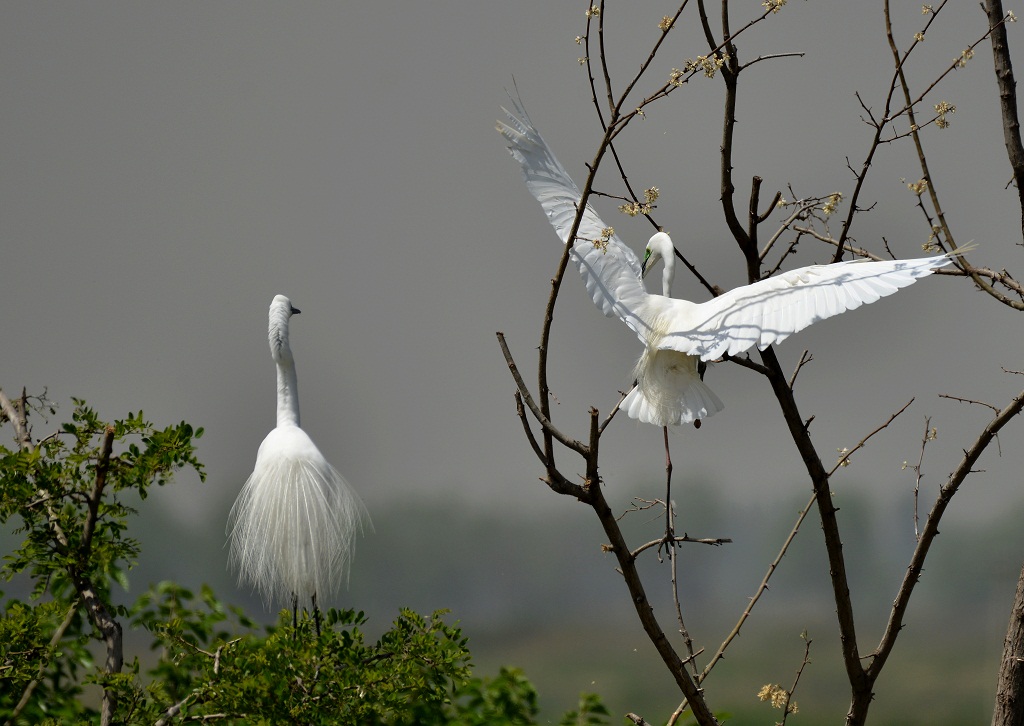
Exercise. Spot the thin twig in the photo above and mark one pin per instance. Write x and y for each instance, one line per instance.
(683, 632)
(761, 588)
(969, 400)
(549, 428)
(615, 409)
(712, 541)
(796, 680)
(805, 358)
(521, 412)
(801, 210)
(918, 470)
(845, 458)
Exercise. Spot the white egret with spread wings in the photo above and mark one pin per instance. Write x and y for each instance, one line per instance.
(678, 334)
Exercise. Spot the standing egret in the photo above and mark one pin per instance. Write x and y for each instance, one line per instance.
(678, 334)
(292, 529)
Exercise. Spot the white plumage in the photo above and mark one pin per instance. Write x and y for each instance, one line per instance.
(292, 529)
(678, 333)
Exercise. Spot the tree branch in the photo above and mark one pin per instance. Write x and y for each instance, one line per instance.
(550, 430)
(829, 523)
(1007, 95)
(644, 611)
(97, 492)
(761, 589)
(17, 414)
(931, 529)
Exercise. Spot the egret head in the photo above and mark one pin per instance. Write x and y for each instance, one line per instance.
(280, 311)
(283, 306)
(659, 247)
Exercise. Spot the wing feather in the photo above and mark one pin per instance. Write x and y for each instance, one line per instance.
(610, 271)
(771, 310)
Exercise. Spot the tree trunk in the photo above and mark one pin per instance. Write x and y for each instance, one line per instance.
(1009, 709)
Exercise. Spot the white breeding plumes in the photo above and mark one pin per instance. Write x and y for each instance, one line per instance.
(292, 530)
(677, 333)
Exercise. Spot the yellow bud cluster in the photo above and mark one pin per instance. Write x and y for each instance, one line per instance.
(709, 64)
(778, 696)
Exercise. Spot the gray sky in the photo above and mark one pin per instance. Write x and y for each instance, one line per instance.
(167, 168)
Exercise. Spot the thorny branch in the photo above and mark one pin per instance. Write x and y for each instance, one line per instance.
(845, 458)
(918, 469)
(684, 632)
(931, 529)
(761, 589)
(712, 541)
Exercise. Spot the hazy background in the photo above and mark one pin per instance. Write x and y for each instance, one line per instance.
(167, 168)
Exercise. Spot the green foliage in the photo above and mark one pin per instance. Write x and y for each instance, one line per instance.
(69, 492)
(28, 654)
(208, 659)
(508, 698)
(589, 712)
(418, 672)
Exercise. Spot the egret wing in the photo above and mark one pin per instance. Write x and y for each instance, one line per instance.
(771, 310)
(609, 268)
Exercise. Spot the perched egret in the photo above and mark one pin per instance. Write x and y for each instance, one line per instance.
(678, 334)
(292, 530)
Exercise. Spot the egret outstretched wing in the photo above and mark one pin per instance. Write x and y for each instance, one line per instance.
(609, 268)
(769, 311)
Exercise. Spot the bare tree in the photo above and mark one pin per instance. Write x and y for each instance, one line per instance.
(905, 112)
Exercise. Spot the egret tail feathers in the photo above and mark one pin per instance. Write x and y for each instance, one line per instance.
(669, 390)
(293, 529)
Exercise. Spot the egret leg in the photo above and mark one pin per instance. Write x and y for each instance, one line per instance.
(316, 615)
(295, 614)
(701, 369)
(669, 534)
